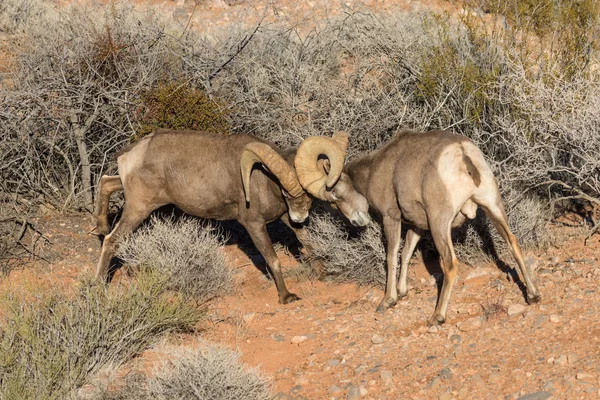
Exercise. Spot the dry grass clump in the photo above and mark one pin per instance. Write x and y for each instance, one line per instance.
(208, 372)
(51, 343)
(187, 252)
(356, 258)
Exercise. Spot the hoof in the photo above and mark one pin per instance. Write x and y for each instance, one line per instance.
(402, 295)
(288, 298)
(385, 304)
(534, 299)
(436, 320)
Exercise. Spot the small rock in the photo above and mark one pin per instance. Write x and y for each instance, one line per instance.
(335, 390)
(283, 396)
(376, 339)
(476, 273)
(494, 377)
(386, 378)
(298, 339)
(446, 396)
(477, 380)
(463, 393)
(446, 374)
(433, 329)
(562, 360)
(539, 321)
(472, 324)
(536, 396)
(572, 358)
(296, 389)
(549, 386)
(333, 363)
(249, 317)
(456, 339)
(435, 384)
(583, 376)
(458, 350)
(354, 393)
(555, 318)
(363, 391)
(90, 250)
(516, 309)
(278, 338)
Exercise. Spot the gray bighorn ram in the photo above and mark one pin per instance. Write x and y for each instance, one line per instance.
(208, 176)
(432, 181)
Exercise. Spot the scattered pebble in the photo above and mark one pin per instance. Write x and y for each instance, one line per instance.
(494, 378)
(583, 376)
(354, 393)
(386, 378)
(335, 390)
(376, 339)
(572, 358)
(446, 396)
(298, 339)
(446, 374)
(555, 318)
(516, 309)
(562, 360)
(433, 329)
(456, 339)
(536, 396)
(472, 324)
(435, 384)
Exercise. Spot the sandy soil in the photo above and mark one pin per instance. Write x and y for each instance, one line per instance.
(332, 344)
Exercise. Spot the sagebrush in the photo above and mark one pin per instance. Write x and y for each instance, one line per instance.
(186, 251)
(207, 372)
(52, 342)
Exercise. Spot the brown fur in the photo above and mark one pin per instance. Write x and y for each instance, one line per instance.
(199, 173)
(432, 181)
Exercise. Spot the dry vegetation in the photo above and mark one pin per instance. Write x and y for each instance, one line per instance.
(208, 372)
(186, 252)
(89, 78)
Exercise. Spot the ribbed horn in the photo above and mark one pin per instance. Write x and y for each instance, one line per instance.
(257, 152)
(312, 177)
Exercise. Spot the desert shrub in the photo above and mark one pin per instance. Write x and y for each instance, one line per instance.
(359, 256)
(50, 343)
(80, 72)
(186, 252)
(176, 105)
(356, 258)
(208, 372)
(15, 14)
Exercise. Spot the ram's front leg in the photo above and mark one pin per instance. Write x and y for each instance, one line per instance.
(391, 228)
(260, 237)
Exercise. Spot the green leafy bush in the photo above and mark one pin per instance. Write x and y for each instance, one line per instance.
(176, 105)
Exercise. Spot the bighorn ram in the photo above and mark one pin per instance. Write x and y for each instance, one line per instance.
(432, 181)
(208, 176)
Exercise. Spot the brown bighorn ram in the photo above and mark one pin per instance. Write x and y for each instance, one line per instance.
(432, 181)
(207, 176)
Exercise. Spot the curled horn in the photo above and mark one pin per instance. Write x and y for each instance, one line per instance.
(310, 171)
(258, 152)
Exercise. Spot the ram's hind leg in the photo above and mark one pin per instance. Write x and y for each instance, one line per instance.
(133, 216)
(441, 226)
(412, 238)
(108, 185)
(495, 210)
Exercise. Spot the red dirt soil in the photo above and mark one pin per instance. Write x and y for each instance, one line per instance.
(553, 346)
